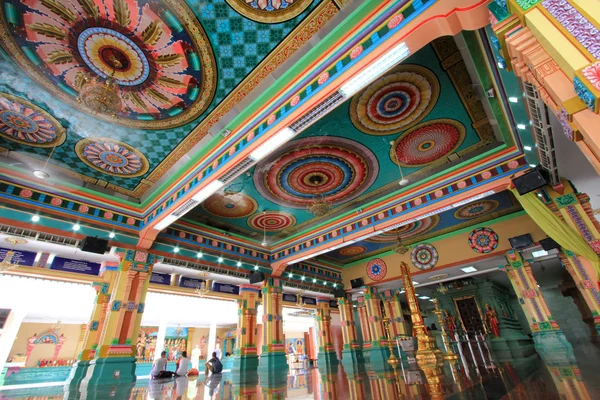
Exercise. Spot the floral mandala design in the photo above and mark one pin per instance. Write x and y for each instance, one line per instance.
(376, 269)
(111, 157)
(592, 73)
(424, 256)
(483, 240)
(269, 11)
(237, 205)
(156, 52)
(476, 209)
(28, 124)
(396, 101)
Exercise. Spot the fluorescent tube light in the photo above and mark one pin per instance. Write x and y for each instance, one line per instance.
(208, 191)
(168, 220)
(528, 148)
(468, 270)
(513, 99)
(375, 69)
(424, 297)
(272, 143)
(521, 126)
(539, 253)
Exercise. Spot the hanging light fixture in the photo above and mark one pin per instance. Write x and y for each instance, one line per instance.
(101, 96)
(403, 181)
(400, 247)
(7, 264)
(204, 288)
(319, 206)
(41, 173)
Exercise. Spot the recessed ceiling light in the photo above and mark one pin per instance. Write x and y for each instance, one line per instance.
(256, 267)
(532, 165)
(220, 259)
(415, 283)
(540, 195)
(528, 148)
(302, 278)
(402, 291)
(76, 227)
(425, 297)
(35, 218)
(176, 250)
(111, 235)
(468, 270)
(239, 264)
(264, 243)
(513, 99)
(500, 65)
(521, 126)
(361, 292)
(290, 275)
(315, 280)
(324, 283)
(404, 182)
(199, 255)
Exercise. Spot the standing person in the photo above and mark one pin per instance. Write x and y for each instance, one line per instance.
(159, 369)
(214, 365)
(183, 365)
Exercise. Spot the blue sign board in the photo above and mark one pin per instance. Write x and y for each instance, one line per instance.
(289, 297)
(309, 300)
(225, 288)
(76, 266)
(191, 283)
(20, 257)
(160, 279)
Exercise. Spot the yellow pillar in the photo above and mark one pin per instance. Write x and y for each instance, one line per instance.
(272, 359)
(393, 310)
(245, 352)
(323, 318)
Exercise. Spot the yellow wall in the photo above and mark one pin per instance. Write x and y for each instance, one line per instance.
(452, 251)
(46, 351)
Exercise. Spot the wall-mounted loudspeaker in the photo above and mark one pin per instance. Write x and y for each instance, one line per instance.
(529, 182)
(357, 283)
(339, 293)
(549, 244)
(94, 245)
(257, 277)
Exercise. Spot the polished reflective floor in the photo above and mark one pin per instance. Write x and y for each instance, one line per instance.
(527, 379)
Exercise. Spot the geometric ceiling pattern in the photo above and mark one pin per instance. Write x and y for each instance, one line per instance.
(419, 118)
(495, 206)
(178, 67)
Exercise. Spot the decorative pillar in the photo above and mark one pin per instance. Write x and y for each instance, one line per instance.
(115, 356)
(379, 341)
(82, 333)
(190, 342)
(323, 318)
(160, 339)
(393, 310)
(547, 336)
(272, 360)
(365, 330)
(429, 358)
(352, 352)
(245, 353)
(175, 279)
(212, 339)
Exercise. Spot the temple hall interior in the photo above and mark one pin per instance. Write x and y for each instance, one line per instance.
(299, 199)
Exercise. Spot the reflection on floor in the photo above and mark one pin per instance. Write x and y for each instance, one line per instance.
(531, 378)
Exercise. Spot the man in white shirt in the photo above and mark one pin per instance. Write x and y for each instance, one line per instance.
(183, 365)
(160, 365)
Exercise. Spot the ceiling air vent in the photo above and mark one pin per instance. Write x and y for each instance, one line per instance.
(317, 112)
(35, 235)
(236, 170)
(540, 124)
(202, 267)
(185, 207)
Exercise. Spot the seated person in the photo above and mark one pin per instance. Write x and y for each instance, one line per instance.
(159, 369)
(183, 365)
(214, 365)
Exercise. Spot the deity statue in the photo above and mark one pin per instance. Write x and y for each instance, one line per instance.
(491, 318)
(202, 344)
(449, 322)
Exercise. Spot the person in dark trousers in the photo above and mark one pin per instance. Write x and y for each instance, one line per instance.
(213, 365)
(159, 369)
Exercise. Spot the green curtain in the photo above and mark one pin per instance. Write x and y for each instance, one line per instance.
(567, 237)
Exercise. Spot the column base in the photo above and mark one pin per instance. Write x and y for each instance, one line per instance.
(76, 376)
(352, 359)
(108, 371)
(327, 357)
(554, 348)
(272, 365)
(378, 359)
(243, 365)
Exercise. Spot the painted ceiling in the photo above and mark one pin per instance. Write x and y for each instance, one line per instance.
(178, 66)
(421, 117)
(487, 209)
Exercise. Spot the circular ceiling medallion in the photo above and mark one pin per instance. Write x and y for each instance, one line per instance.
(424, 256)
(352, 251)
(476, 209)
(396, 101)
(376, 269)
(111, 157)
(235, 205)
(408, 231)
(23, 122)
(483, 240)
(269, 11)
(334, 168)
(428, 142)
(157, 53)
(271, 221)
